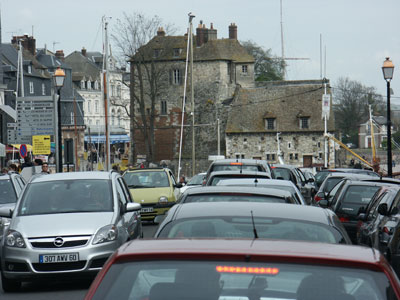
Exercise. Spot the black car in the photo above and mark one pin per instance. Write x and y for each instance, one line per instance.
(379, 225)
(326, 189)
(294, 174)
(321, 175)
(351, 196)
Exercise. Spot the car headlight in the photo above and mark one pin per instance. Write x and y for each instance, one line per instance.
(163, 200)
(105, 234)
(15, 239)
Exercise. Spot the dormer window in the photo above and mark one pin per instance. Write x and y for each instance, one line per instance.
(82, 84)
(177, 52)
(96, 85)
(270, 123)
(305, 122)
(89, 85)
(29, 69)
(244, 69)
(156, 53)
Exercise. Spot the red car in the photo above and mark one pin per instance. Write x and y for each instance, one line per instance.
(244, 269)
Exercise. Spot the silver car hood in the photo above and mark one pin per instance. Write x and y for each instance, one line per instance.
(61, 224)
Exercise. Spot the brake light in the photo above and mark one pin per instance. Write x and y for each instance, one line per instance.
(236, 164)
(247, 270)
(344, 219)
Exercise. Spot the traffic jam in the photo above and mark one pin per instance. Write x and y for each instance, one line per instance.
(243, 229)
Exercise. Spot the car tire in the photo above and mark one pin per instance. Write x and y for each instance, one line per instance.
(10, 285)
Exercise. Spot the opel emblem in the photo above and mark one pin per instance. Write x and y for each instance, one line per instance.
(58, 241)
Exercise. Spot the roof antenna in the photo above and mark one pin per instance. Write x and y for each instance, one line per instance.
(254, 226)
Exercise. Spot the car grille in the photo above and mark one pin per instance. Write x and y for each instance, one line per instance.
(65, 266)
(68, 242)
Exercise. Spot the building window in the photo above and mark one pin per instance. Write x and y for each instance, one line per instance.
(119, 116)
(296, 156)
(163, 107)
(176, 77)
(270, 123)
(90, 122)
(177, 52)
(305, 122)
(31, 90)
(156, 53)
(30, 69)
(272, 156)
(89, 106)
(289, 145)
(118, 90)
(82, 84)
(72, 118)
(268, 156)
(239, 156)
(89, 85)
(96, 106)
(97, 122)
(319, 144)
(112, 117)
(320, 155)
(96, 85)
(244, 69)
(291, 156)
(43, 89)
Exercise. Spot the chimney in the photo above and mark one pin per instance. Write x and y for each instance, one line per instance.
(233, 31)
(28, 42)
(60, 55)
(160, 31)
(83, 51)
(212, 33)
(200, 35)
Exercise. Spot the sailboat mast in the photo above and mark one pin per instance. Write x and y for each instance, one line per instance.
(105, 95)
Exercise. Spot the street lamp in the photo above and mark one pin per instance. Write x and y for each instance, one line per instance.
(59, 76)
(388, 69)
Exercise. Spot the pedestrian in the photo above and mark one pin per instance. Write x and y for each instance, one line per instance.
(45, 168)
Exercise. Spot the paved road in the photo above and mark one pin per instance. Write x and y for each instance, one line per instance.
(60, 290)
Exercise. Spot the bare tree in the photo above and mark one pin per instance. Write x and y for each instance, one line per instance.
(351, 101)
(131, 37)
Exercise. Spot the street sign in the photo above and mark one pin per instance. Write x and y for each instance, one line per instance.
(35, 116)
(41, 144)
(23, 150)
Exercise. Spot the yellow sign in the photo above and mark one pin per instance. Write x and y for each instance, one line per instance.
(41, 144)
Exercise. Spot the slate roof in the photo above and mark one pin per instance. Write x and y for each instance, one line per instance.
(380, 120)
(220, 49)
(82, 67)
(287, 101)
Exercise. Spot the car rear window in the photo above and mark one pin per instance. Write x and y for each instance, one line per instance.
(7, 192)
(239, 280)
(216, 179)
(237, 197)
(237, 166)
(331, 182)
(67, 196)
(279, 173)
(242, 227)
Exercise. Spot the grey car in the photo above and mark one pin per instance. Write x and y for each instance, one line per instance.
(66, 223)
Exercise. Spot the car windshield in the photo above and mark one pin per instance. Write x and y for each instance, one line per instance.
(237, 166)
(146, 179)
(7, 192)
(196, 180)
(66, 196)
(240, 197)
(239, 280)
(216, 179)
(242, 227)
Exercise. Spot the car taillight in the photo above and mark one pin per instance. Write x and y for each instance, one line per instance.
(317, 198)
(344, 219)
(387, 230)
(248, 270)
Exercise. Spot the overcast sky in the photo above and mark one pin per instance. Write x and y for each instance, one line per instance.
(357, 34)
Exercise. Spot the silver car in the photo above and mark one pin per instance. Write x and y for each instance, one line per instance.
(66, 223)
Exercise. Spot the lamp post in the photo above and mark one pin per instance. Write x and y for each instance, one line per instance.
(388, 69)
(59, 76)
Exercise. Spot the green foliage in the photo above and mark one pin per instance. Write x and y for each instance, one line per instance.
(266, 66)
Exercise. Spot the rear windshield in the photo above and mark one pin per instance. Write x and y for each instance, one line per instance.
(239, 280)
(237, 197)
(7, 192)
(331, 182)
(235, 167)
(66, 196)
(279, 173)
(216, 179)
(242, 227)
(359, 194)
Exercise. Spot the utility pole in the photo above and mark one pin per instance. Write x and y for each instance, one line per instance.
(105, 95)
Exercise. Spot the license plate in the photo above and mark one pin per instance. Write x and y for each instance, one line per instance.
(146, 209)
(57, 258)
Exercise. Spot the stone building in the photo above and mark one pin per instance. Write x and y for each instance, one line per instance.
(291, 108)
(380, 132)
(220, 66)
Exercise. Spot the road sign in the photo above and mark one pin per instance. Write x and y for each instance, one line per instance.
(35, 116)
(41, 144)
(23, 150)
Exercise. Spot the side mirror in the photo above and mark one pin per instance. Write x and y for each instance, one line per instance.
(361, 216)
(133, 206)
(323, 203)
(383, 209)
(6, 212)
